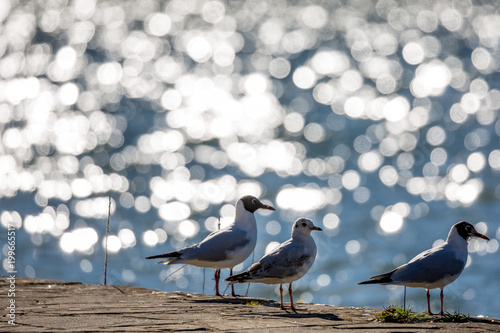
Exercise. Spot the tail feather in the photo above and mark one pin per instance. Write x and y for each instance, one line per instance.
(379, 279)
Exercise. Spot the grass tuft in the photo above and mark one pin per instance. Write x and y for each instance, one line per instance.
(397, 314)
(253, 303)
(456, 317)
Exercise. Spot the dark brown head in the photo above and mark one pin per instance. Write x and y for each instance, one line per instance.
(251, 204)
(467, 230)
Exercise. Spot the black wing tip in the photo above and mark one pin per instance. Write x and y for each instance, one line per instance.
(370, 282)
(379, 279)
(159, 256)
(231, 279)
(237, 278)
(165, 255)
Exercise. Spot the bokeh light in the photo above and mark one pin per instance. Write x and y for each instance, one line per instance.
(391, 222)
(363, 116)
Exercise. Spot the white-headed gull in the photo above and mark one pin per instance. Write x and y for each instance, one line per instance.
(224, 248)
(436, 267)
(286, 263)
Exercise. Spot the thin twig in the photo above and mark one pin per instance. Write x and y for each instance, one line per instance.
(404, 300)
(248, 286)
(227, 287)
(106, 246)
(218, 228)
(169, 275)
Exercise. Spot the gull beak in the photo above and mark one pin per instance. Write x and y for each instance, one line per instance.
(316, 228)
(267, 207)
(477, 234)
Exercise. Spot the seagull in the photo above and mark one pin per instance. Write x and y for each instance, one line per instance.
(436, 267)
(286, 263)
(224, 248)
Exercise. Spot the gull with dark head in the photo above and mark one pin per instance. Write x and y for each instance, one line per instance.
(287, 263)
(224, 248)
(436, 267)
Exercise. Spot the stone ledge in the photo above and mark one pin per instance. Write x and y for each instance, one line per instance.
(52, 306)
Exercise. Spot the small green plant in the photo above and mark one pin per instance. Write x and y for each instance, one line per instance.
(398, 314)
(253, 303)
(456, 317)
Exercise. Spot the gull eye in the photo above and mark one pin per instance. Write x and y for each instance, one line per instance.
(304, 224)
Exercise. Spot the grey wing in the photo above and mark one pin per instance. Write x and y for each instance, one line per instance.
(218, 245)
(429, 266)
(286, 260)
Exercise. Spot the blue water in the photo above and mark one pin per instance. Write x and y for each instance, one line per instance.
(378, 121)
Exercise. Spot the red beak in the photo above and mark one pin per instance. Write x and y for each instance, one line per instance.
(316, 228)
(477, 234)
(267, 207)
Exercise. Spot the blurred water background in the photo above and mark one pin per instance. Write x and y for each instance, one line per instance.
(378, 120)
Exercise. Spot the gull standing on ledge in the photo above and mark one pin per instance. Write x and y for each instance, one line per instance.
(224, 248)
(436, 267)
(286, 263)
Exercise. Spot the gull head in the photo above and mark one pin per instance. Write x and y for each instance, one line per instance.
(467, 230)
(251, 204)
(304, 226)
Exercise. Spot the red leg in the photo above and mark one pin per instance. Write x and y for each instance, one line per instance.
(442, 297)
(217, 277)
(281, 296)
(291, 297)
(293, 308)
(429, 303)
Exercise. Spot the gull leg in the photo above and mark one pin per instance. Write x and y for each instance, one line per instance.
(291, 297)
(291, 300)
(281, 296)
(442, 297)
(217, 277)
(291, 307)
